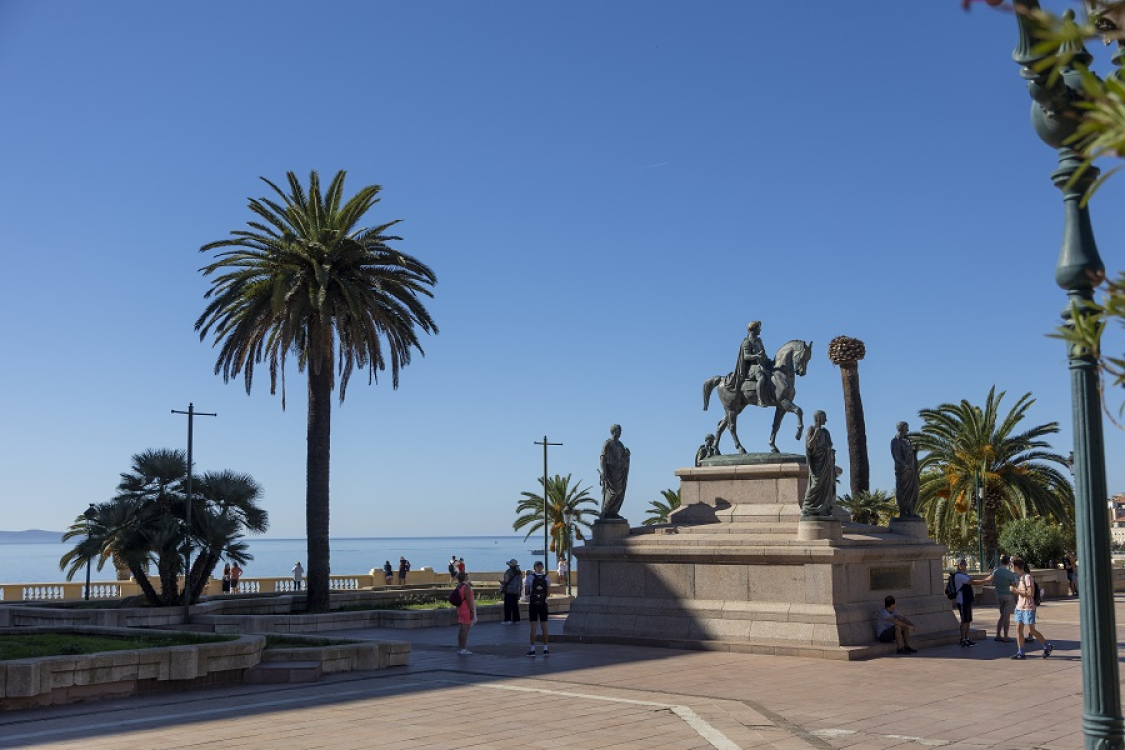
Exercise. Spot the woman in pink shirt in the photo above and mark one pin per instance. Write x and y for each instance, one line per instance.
(466, 614)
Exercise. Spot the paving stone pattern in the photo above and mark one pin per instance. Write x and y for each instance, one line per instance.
(612, 697)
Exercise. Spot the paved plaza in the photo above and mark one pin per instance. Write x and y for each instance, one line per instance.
(592, 696)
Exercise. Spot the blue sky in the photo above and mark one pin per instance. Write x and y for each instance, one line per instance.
(608, 193)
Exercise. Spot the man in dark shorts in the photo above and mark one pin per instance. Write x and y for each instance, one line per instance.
(538, 588)
(964, 599)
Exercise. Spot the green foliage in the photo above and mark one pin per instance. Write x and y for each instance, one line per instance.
(1036, 540)
(308, 280)
(977, 462)
(873, 507)
(658, 511)
(143, 526)
(561, 496)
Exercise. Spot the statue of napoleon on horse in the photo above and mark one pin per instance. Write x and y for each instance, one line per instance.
(762, 385)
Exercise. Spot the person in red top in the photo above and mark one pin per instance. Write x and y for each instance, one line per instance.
(466, 614)
(461, 565)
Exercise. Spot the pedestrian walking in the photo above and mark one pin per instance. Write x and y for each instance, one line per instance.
(298, 575)
(1025, 610)
(466, 614)
(1003, 578)
(511, 585)
(537, 592)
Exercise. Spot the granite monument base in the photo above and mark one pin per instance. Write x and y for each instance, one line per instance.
(737, 569)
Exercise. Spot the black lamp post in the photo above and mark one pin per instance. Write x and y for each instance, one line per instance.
(1079, 271)
(91, 513)
(568, 519)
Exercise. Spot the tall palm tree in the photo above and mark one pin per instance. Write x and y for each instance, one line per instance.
(308, 280)
(970, 446)
(658, 511)
(561, 496)
(846, 352)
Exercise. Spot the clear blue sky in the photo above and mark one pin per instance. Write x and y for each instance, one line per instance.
(608, 193)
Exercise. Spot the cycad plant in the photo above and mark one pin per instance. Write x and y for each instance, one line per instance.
(308, 280)
(970, 446)
(874, 507)
(560, 497)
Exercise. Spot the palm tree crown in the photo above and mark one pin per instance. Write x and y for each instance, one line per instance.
(659, 511)
(306, 279)
(561, 496)
(969, 446)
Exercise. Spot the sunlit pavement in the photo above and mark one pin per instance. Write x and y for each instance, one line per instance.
(588, 696)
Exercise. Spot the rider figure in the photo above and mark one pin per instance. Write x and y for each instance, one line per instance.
(752, 364)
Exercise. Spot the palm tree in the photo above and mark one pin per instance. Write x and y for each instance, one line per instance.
(561, 496)
(969, 446)
(143, 525)
(846, 353)
(870, 507)
(658, 511)
(308, 280)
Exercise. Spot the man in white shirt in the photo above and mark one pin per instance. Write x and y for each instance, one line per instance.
(964, 601)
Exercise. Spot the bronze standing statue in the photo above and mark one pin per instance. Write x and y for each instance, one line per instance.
(821, 456)
(756, 381)
(906, 472)
(614, 470)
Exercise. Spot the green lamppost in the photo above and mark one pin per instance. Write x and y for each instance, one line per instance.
(1079, 271)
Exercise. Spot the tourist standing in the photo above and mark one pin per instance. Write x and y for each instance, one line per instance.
(537, 592)
(510, 586)
(453, 569)
(403, 569)
(226, 578)
(1025, 610)
(298, 575)
(466, 614)
(460, 566)
(563, 572)
(964, 601)
(388, 573)
(235, 574)
(1003, 578)
(1069, 565)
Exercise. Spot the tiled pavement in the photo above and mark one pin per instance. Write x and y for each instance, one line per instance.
(588, 696)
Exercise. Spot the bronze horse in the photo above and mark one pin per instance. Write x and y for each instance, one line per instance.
(777, 391)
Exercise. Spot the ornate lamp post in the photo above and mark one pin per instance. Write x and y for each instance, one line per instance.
(1079, 271)
(91, 513)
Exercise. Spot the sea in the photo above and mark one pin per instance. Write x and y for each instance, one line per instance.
(39, 563)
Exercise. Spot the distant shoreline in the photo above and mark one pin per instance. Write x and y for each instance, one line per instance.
(38, 536)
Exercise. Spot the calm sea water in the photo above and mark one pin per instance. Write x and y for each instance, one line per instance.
(28, 563)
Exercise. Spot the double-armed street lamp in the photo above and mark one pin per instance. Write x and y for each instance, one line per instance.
(91, 513)
(1055, 118)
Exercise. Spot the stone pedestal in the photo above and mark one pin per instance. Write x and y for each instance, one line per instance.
(609, 530)
(737, 569)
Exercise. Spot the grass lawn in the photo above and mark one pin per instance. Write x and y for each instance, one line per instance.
(32, 645)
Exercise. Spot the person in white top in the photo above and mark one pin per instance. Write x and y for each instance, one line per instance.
(563, 571)
(298, 575)
(1025, 609)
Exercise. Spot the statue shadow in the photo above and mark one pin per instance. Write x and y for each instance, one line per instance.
(698, 513)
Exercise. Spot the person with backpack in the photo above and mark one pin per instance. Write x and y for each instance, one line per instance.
(511, 585)
(453, 569)
(538, 589)
(403, 569)
(964, 599)
(463, 598)
(1025, 610)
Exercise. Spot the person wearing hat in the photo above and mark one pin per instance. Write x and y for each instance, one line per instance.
(511, 586)
(298, 575)
(753, 364)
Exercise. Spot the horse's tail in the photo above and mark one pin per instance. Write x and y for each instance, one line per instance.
(708, 386)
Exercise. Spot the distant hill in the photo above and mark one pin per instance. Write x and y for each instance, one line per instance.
(31, 536)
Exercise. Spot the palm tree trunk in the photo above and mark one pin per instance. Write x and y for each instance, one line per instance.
(989, 534)
(860, 469)
(316, 482)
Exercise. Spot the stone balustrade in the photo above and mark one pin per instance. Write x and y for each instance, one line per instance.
(104, 590)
